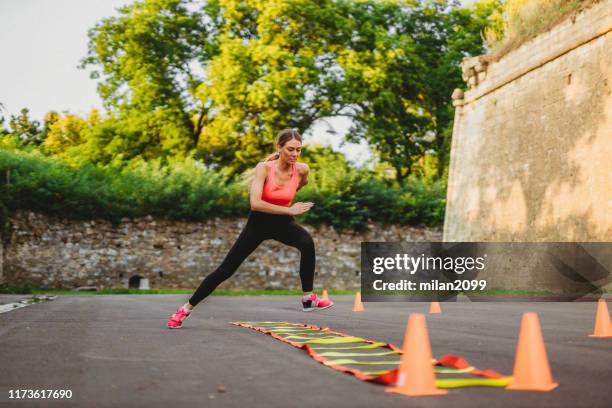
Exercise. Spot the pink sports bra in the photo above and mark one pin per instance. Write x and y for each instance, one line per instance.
(279, 195)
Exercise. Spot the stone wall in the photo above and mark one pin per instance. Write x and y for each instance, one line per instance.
(51, 252)
(531, 158)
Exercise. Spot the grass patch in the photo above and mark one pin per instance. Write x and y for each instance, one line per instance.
(13, 289)
(524, 19)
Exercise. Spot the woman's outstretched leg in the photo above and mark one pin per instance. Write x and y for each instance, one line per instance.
(248, 240)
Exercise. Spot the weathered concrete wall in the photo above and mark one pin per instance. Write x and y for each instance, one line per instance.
(531, 158)
(51, 252)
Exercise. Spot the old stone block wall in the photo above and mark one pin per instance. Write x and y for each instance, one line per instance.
(531, 158)
(51, 252)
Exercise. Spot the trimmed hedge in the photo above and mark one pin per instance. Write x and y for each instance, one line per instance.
(344, 197)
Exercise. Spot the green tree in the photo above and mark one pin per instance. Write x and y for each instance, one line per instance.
(50, 119)
(147, 56)
(402, 81)
(384, 80)
(3, 130)
(448, 33)
(62, 133)
(223, 76)
(263, 66)
(26, 130)
(276, 68)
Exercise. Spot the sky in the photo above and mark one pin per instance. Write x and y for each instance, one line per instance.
(42, 43)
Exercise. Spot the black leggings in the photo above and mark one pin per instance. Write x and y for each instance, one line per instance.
(261, 226)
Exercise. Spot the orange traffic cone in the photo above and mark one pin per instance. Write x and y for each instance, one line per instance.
(434, 308)
(531, 369)
(358, 306)
(416, 373)
(325, 296)
(603, 327)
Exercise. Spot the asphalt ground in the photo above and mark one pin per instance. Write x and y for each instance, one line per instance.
(116, 351)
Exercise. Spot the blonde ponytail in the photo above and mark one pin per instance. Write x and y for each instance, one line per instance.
(271, 157)
(249, 175)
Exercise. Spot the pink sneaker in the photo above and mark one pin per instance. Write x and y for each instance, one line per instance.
(314, 303)
(176, 320)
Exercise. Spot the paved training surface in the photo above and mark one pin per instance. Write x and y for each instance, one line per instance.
(115, 350)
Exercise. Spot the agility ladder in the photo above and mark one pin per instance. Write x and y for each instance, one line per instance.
(355, 355)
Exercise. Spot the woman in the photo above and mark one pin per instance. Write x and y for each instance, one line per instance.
(272, 188)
